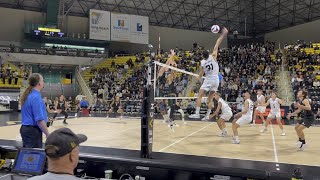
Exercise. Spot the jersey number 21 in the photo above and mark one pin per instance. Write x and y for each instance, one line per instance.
(209, 67)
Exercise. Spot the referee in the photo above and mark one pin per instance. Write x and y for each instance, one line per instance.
(34, 114)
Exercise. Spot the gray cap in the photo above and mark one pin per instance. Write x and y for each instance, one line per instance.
(62, 141)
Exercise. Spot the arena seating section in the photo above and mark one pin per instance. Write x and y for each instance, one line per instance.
(304, 66)
(251, 67)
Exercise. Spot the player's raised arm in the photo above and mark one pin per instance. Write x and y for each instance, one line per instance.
(169, 62)
(219, 41)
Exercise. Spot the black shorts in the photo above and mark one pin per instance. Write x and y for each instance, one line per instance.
(115, 108)
(307, 121)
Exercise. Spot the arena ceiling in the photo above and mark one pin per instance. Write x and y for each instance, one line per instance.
(261, 16)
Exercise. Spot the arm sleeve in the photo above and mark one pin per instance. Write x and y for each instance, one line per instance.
(37, 109)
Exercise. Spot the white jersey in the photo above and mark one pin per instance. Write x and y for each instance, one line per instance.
(224, 106)
(259, 98)
(250, 110)
(274, 104)
(211, 68)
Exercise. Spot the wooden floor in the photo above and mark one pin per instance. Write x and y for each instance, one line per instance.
(194, 138)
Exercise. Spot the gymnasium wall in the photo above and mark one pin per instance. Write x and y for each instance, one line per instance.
(308, 32)
(13, 25)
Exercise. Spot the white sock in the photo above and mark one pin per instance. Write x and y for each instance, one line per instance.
(208, 112)
(197, 110)
(224, 130)
(236, 137)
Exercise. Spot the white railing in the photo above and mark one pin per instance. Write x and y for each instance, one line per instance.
(84, 87)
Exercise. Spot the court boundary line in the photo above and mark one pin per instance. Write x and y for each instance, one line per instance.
(274, 145)
(185, 137)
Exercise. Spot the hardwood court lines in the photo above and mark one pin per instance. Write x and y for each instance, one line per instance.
(287, 150)
(206, 143)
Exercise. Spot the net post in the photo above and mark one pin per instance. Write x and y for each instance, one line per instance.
(147, 116)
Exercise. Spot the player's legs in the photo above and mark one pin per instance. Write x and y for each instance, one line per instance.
(235, 127)
(163, 112)
(198, 104)
(65, 116)
(299, 129)
(182, 115)
(301, 125)
(260, 110)
(120, 111)
(210, 105)
(280, 126)
(266, 124)
(236, 124)
(171, 103)
(222, 125)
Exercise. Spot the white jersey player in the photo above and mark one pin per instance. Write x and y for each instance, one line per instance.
(275, 112)
(209, 67)
(242, 118)
(226, 114)
(260, 110)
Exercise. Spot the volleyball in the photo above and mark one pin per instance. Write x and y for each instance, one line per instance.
(215, 29)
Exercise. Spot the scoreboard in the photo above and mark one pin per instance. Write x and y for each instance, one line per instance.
(48, 32)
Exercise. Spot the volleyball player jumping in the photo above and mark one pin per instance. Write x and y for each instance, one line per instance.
(168, 114)
(209, 67)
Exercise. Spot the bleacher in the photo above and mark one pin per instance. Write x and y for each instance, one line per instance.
(107, 64)
(302, 66)
(6, 85)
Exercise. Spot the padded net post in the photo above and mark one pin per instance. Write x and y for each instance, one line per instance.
(147, 116)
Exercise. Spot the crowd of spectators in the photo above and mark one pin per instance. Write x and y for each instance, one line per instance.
(305, 72)
(244, 68)
(10, 76)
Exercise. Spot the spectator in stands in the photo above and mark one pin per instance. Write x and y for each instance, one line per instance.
(240, 102)
(84, 104)
(16, 77)
(10, 78)
(62, 150)
(316, 48)
(8, 69)
(113, 64)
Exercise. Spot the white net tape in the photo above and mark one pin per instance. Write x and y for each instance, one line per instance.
(156, 63)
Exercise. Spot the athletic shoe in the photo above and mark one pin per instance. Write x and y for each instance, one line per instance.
(175, 124)
(89, 115)
(223, 134)
(236, 141)
(283, 134)
(206, 118)
(263, 130)
(302, 147)
(194, 116)
(184, 121)
(76, 115)
(64, 122)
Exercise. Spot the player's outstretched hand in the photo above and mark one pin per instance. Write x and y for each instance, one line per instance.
(172, 52)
